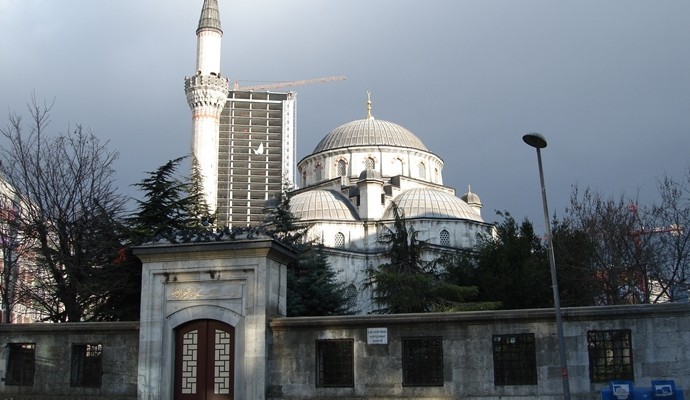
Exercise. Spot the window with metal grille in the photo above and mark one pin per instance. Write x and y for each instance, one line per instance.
(610, 355)
(21, 360)
(339, 240)
(422, 361)
(369, 163)
(422, 171)
(342, 168)
(86, 365)
(335, 363)
(515, 360)
(445, 238)
(351, 296)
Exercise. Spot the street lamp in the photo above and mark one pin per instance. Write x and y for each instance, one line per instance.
(539, 142)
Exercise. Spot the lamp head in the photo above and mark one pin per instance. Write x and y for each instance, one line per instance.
(535, 140)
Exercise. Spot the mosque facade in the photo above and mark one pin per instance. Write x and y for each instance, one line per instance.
(350, 184)
(347, 187)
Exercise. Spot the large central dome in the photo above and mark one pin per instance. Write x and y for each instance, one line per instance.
(369, 132)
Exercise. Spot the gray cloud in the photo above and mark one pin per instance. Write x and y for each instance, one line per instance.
(608, 83)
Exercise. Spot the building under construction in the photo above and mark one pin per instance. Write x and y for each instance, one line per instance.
(243, 138)
(256, 153)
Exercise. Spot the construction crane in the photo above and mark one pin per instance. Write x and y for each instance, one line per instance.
(278, 85)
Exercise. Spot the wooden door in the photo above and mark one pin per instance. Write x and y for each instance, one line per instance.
(204, 361)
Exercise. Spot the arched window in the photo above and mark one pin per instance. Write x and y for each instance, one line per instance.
(422, 171)
(339, 240)
(304, 178)
(351, 296)
(342, 168)
(445, 238)
(401, 167)
(369, 163)
(318, 170)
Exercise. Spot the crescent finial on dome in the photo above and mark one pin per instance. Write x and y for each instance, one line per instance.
(369, 116)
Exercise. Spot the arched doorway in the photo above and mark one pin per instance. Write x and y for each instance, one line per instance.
(204, 361)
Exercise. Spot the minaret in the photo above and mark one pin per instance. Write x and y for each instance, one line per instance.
(207, 92)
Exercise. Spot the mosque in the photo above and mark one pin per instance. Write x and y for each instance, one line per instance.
(350, 182)
(347, 185)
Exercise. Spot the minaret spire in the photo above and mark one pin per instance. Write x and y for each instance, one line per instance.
(207, 92)
(210, 16)
(208, 41)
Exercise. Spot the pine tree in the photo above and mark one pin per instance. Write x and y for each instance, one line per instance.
(312, 288)
(407, 283)
(512, 267)
(281, 223)
(170, 204)
(167, 206)
(198, 207)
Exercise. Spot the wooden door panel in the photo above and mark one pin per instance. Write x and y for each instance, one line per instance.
(204, 361)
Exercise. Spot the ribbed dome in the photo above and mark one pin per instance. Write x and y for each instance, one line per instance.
(471, 198)
(430, 203)
(322, 204)
(369, 174)
(369, 132)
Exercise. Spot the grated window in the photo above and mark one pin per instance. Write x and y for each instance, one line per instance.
(342, 168)
(610, 355)
(86, 365)
(339, 240)
(351, 296)
(21, 360)
(422, 361)
(369, 164)
(445, 238)
(515, 360)
(335, 363)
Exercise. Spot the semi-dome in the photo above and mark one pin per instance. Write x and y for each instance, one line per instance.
(431, 203)
(369, 132)
(322, 204)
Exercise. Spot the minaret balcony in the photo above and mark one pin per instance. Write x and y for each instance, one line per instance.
(206, 90)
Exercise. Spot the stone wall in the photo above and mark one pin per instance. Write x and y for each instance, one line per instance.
(53, 347)
(660, 348)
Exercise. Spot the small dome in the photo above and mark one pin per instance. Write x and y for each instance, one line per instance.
(471, 198)
(322, 204)
(430, 203)
(369, 174)
(369, 132)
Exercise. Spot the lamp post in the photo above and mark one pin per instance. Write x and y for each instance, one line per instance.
(539, 142)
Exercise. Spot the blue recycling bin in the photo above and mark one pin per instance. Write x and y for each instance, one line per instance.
(622, 390)
(626, 390)
(666, 390)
